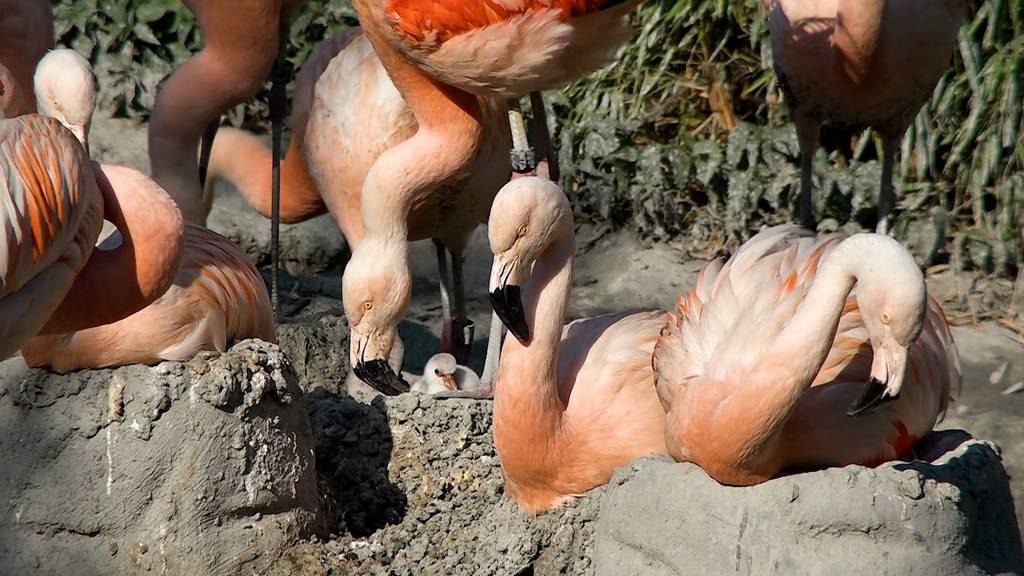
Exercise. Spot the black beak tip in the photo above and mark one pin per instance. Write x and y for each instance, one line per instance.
(507, 302)
(379, 375)
(871, 397)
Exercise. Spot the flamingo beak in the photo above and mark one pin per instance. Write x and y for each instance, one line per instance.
(449, 381)
(370, 364)
(507, 298)
(888, 368)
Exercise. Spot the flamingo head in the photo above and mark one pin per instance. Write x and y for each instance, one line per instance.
(528, 216)
(376, 288)
(65, 90)
(441, 368)
(892, 298)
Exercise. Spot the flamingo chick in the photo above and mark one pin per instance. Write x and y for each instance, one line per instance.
(241, 44)
(776, 360)
(443, 374)
(571, 404)
(217, 295)
(865, 62)
(26, 33)
(52, 205)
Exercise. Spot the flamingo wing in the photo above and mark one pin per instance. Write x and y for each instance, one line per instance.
(507, 48)
(735, 310)
(47, 189)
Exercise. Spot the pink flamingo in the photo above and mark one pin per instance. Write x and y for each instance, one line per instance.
(53, 204)
(217, 295)
(571, 404)
(242, 40)
(867, 62)
(776, 361)
(26, 33)
(346, 107)
(450, 60)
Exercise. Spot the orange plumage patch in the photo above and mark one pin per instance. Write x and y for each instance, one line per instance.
(437, 21)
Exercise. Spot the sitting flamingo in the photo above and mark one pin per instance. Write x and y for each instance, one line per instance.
(775, 360)
(52, 205)
(442, 375)
(217, 295)
(570, 404)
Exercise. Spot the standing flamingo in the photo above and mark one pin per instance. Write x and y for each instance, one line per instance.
(242, 40)
(52, 205)
(345, 114)
(450, 59)
(776, 361)
(26, 33)
(217, 295)
(867, 62)
(571, 404)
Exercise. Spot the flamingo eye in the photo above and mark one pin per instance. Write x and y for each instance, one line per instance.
(522, 231)
(367, 305)
(886, 319)
(437, 372)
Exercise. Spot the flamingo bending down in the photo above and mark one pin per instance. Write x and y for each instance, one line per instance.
(26, 33)
(866, 62)
(345, 114)
(764, 363)
(241, 44)
(571, 404)
(217, 295)
(53, 204)
(450, 60)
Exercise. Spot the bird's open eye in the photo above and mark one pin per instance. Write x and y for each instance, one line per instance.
(437, 372)
(367, 305)
(885, 318)
(522, 231)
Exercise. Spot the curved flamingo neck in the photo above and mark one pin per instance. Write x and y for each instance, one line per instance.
(117, 283)
(449, 137)
(245, 161)
(527, 388)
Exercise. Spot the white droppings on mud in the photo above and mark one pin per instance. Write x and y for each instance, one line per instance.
(110, 459)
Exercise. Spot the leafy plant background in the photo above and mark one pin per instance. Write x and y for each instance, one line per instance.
(686, 133)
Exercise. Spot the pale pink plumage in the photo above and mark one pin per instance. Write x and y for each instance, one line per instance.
(742, 408)
(574, 402)
(217, 298)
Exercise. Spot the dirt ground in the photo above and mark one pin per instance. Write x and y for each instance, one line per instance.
(616, 271)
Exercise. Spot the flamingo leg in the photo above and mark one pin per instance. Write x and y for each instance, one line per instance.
(462, 327)
(548, 164)
(444, 282)
(279, 75)
(807, 137)
(523, 159)
(886, 195)
(205, 148)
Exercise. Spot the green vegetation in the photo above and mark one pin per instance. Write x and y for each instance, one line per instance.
(686, 134)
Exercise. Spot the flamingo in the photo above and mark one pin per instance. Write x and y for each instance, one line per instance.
(345, 107)
(242, 41)
(452, 61)
(776, 360)
(571, 404)
(217, 295)
(52, 205)
(26, 33)
(442, 374)
(867, 62)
